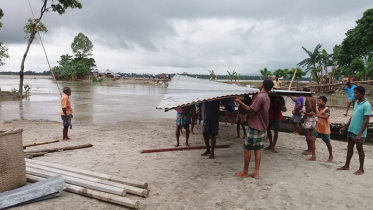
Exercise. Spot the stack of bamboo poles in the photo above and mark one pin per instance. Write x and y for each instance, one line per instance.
(88, 183)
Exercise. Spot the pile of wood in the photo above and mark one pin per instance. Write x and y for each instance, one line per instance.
(103, 187)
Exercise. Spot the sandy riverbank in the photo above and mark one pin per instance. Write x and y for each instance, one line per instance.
(185, 180)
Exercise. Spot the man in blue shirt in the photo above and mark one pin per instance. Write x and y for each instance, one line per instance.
(357, 129)
(350, 92)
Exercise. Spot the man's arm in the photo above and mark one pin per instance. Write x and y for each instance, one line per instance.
(297, 107)
(292, 98)
(247, 108)
(323, 116)
(345, 127)
(64, 111)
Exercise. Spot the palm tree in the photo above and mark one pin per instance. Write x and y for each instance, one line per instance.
(334, 59)
(310, 62)
(325, 61)
(212, 75)
(265, 73)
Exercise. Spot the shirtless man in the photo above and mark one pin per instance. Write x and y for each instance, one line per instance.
(309, 120)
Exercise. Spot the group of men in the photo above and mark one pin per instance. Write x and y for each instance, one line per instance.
(265, 113)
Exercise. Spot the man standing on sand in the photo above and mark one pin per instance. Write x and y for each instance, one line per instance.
(258, 124)
(357, 129)
(277, 106)
(309, 120)
(210, 114)
(297, 113)
(276, 83)
(182, 121)
(350, 92)
(322, 129)
(66, 113)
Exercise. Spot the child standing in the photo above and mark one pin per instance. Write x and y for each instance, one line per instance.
(322, 129)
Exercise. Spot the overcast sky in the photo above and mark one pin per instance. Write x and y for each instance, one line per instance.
(175, 36)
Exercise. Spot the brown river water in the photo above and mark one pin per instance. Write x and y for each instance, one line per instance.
(103, 103)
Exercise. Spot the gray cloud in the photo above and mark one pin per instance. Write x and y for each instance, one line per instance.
(191, 35)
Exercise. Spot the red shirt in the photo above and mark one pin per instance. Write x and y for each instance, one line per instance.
(275, 112)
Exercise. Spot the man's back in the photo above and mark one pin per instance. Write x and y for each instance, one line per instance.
(310, 104)
(260, 119)
(210, 110)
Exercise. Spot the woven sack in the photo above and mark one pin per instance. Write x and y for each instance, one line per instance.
(12, 160)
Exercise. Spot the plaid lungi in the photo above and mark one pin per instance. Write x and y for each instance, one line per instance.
(255, 139)
(183, 119)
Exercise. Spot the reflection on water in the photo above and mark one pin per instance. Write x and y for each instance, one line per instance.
(97, 103)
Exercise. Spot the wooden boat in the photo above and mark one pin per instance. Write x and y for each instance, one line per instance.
(287, 126)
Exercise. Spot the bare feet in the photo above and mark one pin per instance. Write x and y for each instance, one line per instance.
(205, 153)
(238, 136)
(274, 150)
(242, 174)
(306, 152)
(65, 139)
(343, 168)
(255, 175)
(212, 156)
(330, 159)
(187, 144)
(359, 172)
(192, 132)
(311, 159)
(268, 148)
(176, 145)
(345, 114)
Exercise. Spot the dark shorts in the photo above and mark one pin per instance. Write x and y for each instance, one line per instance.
(296, 118)
(65, 123)
(324, 137)
(210, 127)
(353, 136)
(275, 124)
(255, 139)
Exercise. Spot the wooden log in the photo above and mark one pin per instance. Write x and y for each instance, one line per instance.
(102, 196)
(129, 189)
(59, 149)
(79, 182)
(126, 181)
(43, 189)
(182, 148)
(40, 143)
(32, 154)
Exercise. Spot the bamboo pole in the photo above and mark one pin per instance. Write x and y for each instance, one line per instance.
(291, 83)
(79, 182)
(181, 148)
(40, 143)
(119, 200)
(126, 181)
(59, 149)
(129, 189)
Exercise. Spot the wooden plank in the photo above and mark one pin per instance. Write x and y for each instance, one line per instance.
(292, 80)
(102, 196)
(59, 149)
(126, 181)
(40, 143)
(79, 182)
(129, 189)
(182, 148)
(45, 188)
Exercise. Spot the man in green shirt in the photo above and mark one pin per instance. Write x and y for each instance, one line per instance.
(357, 129)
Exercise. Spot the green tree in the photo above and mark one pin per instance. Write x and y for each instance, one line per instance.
(58, 6)
(3, 50)
(311, 61)
(298, 75)
(334, 58)
(358, 41)
(265, 73)
(284, 73)
(213, 76)
(82, 47)
(232, 75)
(325, 61)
